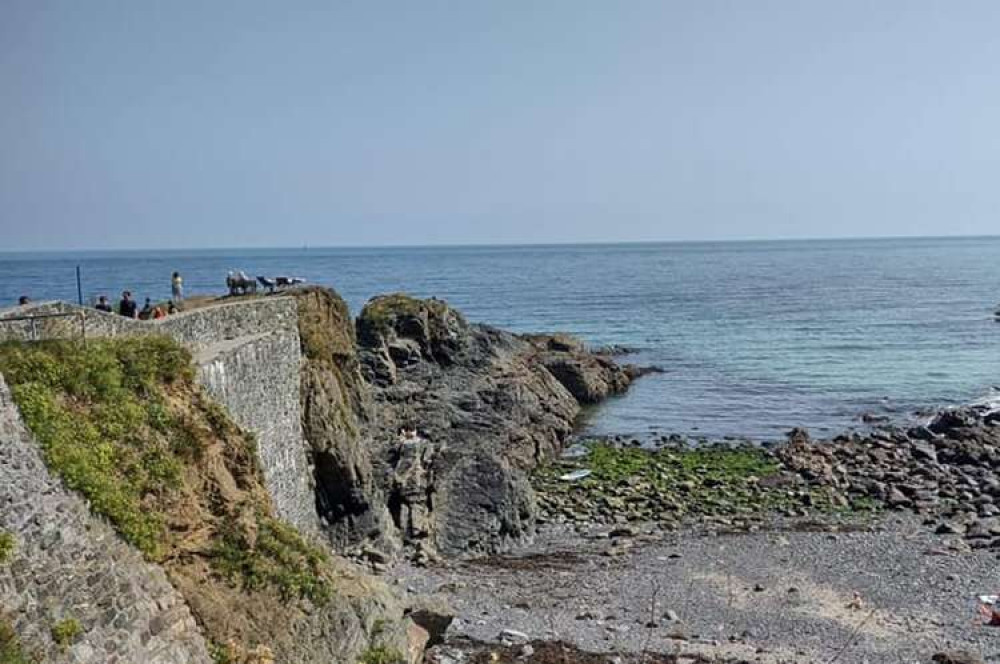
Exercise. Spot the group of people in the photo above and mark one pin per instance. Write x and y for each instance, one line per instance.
(129, 308)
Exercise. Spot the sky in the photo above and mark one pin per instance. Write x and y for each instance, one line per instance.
(203, 124)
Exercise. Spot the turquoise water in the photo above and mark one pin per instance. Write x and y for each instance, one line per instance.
(756, 337)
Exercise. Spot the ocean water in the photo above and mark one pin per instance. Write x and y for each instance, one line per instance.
(754, 337)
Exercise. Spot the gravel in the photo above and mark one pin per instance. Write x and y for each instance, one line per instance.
(896, 592)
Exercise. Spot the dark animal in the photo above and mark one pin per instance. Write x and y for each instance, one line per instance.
(279, 282)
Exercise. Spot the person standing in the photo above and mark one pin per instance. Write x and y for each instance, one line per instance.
(127, 307)
(103, 304)
(177, 287)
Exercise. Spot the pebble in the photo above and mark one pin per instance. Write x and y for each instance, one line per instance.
(513, 635)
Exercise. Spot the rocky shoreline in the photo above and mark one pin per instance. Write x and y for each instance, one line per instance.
(493, 473)
(946, 472)
(887, 536)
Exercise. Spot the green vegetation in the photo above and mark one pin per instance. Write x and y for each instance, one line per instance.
(381, 654)
(670, 484)
(66, 631)
(7, 546)
(11, 651)
(122, 422)
(380, 311)
(221, 654)
(279, 558)
(100, 412)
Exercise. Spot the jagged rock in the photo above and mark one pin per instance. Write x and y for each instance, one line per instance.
(337, 409)
(417, 641)
(433, 614)
(589, 377)
(486, 409)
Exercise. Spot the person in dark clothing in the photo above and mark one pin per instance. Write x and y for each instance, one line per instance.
(147, 310)
(127, 307)
(103, 304)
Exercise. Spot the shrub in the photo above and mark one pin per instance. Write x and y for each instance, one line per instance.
(66, 631)
(382, 654)
(7, 545)
(100, 412)
(279, 558)
(11, 651)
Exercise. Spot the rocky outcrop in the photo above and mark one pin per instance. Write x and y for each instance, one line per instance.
(591, 377)
(487, 405)
(946, 470)
(337, 413)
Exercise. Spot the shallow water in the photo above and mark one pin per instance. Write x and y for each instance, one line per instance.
(756, 337)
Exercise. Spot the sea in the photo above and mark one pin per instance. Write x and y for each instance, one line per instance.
(754, 338)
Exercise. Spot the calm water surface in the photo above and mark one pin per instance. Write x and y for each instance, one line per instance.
(756, 337)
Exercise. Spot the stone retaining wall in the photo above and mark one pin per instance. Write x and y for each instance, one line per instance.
(195, 329)
(68, 564)
(257, 378)
(248, 358)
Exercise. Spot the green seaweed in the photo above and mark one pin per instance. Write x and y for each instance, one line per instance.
(673, 483)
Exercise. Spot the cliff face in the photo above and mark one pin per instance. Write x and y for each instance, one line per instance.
(487, 409)
(337, 417)
(176, 552)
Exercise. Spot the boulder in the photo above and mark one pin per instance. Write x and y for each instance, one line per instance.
(432, 613)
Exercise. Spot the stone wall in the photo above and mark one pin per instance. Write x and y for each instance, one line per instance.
(248, 356)
(67, 564)
(257, 379)
(195, 329)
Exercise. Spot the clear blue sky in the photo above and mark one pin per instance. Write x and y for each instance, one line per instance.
(186, 124)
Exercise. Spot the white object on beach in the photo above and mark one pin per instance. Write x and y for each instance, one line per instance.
(575, 475)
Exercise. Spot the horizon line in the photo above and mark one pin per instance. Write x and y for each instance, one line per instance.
(477, 245)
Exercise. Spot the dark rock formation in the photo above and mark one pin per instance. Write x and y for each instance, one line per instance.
(336, 418)
(946, 470)
(488, 406)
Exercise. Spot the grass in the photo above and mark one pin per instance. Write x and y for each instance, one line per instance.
(7, 546)
(279, 558)
(381, 654)
(379, 312)
(122, 422)
(66, 631)
(99, 412)
(11, 651)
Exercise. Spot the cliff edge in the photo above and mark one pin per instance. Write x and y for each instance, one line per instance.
(487, 406)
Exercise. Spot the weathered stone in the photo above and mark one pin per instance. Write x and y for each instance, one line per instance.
(957, 657)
